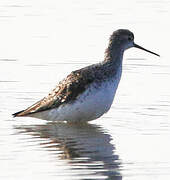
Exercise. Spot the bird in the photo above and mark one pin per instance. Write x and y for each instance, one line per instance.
(87, 93)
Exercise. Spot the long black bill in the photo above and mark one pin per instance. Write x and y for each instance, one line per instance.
(137, 46)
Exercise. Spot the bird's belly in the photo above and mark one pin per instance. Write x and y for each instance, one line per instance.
(90, 105)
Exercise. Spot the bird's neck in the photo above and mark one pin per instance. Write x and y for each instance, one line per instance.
(114, 54)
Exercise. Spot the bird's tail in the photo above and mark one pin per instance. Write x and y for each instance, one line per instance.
(18, 114)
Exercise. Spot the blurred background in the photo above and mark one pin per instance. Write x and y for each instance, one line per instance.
(40, 43)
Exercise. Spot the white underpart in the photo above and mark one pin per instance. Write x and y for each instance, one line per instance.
(91, 104)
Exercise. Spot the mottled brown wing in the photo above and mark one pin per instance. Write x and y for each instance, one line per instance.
(66, 92)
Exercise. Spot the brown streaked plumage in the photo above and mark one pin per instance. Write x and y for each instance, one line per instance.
(71, 87)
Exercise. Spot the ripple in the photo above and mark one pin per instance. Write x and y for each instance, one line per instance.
(85, 147)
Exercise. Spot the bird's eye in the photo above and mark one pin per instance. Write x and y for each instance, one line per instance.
(130, 38)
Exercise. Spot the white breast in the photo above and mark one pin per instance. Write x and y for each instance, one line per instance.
(91, 104)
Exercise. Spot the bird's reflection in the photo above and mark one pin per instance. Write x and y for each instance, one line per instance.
(85, 146)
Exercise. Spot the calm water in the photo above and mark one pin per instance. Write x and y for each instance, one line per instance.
(40, 43)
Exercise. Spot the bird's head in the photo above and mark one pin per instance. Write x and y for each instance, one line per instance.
(124, 39)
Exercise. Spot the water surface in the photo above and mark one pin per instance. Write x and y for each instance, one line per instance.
(41, 42)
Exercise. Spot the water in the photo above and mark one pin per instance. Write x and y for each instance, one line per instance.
(40, 43)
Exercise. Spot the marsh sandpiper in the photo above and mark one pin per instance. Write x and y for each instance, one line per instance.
(87, 93)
